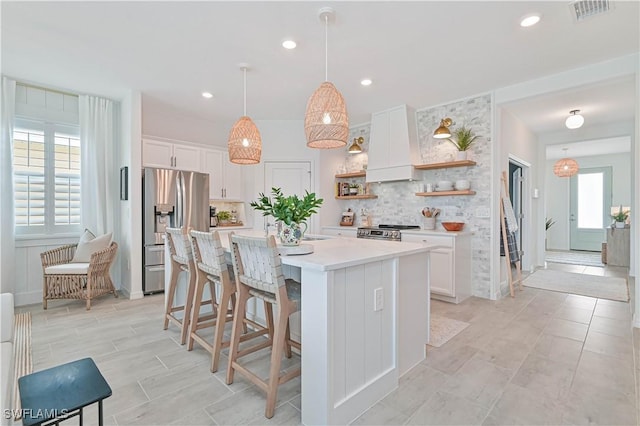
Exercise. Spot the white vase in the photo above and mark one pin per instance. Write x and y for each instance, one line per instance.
(461, 155)
(619, 224)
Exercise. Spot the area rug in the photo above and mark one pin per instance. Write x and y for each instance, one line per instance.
(21, 354)
(443, 329)
(583, 284)
(587, 258)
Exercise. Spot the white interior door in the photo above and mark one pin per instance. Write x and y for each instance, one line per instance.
(590, 207)
(292, 177)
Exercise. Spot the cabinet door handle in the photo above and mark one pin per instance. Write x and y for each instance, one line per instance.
(221, 193)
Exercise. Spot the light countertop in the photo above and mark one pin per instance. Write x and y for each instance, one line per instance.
(335, 253)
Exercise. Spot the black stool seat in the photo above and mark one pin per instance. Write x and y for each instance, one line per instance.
(57, 393)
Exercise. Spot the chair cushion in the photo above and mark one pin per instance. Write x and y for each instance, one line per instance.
(293, 293)
(68, 269)
(90, 244)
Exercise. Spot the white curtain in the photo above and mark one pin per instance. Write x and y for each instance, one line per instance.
(7, 215)
(99, 176)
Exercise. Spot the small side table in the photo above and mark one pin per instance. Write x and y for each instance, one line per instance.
(62, 392)
(618, 246)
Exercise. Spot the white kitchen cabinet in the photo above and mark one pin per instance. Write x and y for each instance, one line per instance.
(340, 231)
(225, 178)
(169, 155)
(450, 263)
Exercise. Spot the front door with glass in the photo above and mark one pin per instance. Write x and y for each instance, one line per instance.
(590, 207)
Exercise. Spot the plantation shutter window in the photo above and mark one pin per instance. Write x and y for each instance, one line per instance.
(46, 172)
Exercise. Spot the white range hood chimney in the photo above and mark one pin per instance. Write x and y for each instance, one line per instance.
(393, 145)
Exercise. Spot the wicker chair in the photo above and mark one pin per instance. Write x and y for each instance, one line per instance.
(65, 280)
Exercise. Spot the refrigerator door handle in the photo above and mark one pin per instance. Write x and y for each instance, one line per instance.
(179, 201)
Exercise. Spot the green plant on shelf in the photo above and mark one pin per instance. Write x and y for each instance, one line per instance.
(224, 215)
(463, 138)
(621, 216)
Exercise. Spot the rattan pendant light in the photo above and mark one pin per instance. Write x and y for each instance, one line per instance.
(326, 123)
(565, 167)
(245, 144)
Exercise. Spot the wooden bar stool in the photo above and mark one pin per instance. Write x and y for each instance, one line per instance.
(211, 266)
(258, 272)
(181, 261)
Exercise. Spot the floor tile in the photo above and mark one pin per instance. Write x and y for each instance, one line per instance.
(579, 301)
(611, 326)
(478, 381)
(503, 353)
(559, 349)
(569, 329)
(571, 313)
(619, 347)
(382, 414)
(615, 310)
(605, 372)
(520, 406)
(447, 409)
(416, 387)
(594, 405)
(548, 378)
(448, 360)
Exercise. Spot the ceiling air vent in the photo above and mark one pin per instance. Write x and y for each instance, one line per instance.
(584, 9)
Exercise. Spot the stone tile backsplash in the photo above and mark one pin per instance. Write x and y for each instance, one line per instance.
(397, 202)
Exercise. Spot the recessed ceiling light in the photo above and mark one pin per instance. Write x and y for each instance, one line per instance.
(530, 20)
(366, 82)
(207, 95)
(289, 44)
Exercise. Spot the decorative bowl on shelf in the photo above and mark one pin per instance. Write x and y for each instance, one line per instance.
(453, 226)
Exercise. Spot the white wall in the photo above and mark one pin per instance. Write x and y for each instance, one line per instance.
(518, 142)
(160, 120)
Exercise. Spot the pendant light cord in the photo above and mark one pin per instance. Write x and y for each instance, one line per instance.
(326, 48)
(245, 91)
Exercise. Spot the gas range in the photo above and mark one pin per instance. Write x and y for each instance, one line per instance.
(384, 232)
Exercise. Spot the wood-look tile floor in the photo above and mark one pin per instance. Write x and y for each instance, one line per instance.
(540, 358)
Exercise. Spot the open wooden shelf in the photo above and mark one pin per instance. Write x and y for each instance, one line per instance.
(445, 165)
(445, 193)
(361, 173)
(356, 197)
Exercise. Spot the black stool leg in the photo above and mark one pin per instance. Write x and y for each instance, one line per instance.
(80, 416)
(100, 420)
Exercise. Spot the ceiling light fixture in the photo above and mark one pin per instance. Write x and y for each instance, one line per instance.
(575, 120)
(443, 132)
(289, 44)
(356, 146)
(207, 95)
(366, 82)
(245, 144)
(530, 20)
(326, 123)
(565, 167)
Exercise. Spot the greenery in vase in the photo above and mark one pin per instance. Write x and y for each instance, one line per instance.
(289, 210)
(224, 215)
(621, 216)
(464, 138)
(549, 223)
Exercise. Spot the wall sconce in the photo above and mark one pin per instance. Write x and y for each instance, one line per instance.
(356, 147)
(443, 132)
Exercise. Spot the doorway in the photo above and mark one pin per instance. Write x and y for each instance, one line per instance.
(590, 205)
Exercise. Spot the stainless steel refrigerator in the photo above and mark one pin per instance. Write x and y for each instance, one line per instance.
(175, 199)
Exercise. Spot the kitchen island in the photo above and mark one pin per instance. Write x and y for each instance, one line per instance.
(364, 322)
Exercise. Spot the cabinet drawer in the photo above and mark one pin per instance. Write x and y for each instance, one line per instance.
(347, 232)
(428, 239)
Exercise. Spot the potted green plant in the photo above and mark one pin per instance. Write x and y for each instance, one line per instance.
(291, 210)
(463, 138)
(224, 217)
(353, 189)
(620, 217)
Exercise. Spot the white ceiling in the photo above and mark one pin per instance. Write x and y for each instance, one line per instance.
(589, 148)
(418, 53)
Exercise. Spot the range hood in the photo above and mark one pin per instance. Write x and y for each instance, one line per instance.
(393, 145)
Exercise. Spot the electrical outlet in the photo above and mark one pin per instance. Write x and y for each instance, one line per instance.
(378, 299)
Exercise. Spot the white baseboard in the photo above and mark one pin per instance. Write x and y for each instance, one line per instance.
(28, 298)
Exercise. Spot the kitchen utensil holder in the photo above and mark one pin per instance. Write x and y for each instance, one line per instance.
(429, 223)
